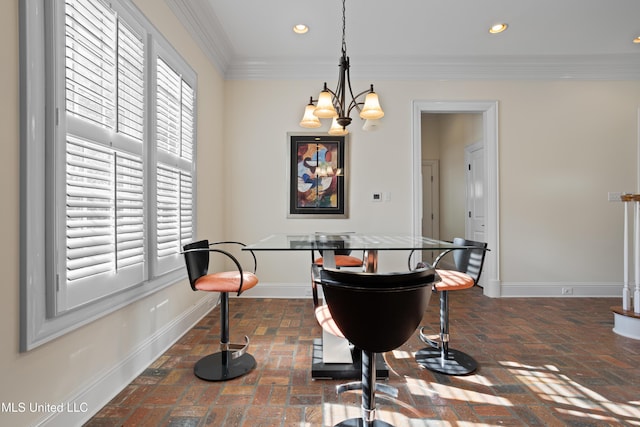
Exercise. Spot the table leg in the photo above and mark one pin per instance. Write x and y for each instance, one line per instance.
(344, 371)
(370, 261)
(328, 363)
(329, 258)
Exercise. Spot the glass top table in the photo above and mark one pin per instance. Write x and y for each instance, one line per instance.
(353, 241)
(328, 351)
(329, 242)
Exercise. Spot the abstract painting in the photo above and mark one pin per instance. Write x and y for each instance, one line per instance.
(316, 177)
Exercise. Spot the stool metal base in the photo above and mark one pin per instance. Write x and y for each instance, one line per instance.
(359, 422)
(221, 366)
(453, 363)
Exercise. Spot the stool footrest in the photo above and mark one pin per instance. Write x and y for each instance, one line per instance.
(425, 339)
(236, 350)
(357, 385)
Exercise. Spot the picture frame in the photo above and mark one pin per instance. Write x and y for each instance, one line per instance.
(317, 176)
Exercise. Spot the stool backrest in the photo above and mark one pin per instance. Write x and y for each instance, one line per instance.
(470, 261)
(377, 312)
(196, 258)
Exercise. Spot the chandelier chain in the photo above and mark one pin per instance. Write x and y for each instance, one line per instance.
(344, 27)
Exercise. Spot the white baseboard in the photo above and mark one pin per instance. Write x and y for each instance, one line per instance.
(494, 289)
(560, 290)
(279, 290)
(88, 401)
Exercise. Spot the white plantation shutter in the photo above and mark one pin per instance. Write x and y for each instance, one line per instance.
(90, 61)
(105, 219)
(187, 224)
(174, 133)
(90, 215)
(168, 211)
(174, 211)
(168, 125)
(108, 159)
(129, 211)
(130, 83)
(105, 118)
(187, 123)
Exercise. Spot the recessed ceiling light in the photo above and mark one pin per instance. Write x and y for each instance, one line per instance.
(498, 28)
(637, 40)
(300, 29)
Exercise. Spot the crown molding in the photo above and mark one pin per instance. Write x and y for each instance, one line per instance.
(201, 22)
(540, 67)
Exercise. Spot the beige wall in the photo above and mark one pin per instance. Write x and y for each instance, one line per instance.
(562, 146)
(58, 371)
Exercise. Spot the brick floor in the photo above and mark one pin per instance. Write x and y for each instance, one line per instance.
(543, 362)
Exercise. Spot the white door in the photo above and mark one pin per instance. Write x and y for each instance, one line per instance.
(430, 204)
(475, 218)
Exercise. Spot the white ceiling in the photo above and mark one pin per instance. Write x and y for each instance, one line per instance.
(407, 39)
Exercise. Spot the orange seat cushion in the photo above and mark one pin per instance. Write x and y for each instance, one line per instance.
(343, 261)
(326, 321)
(226, 281)
(453, 280)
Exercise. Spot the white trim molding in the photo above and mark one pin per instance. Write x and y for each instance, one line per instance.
(279, 290)
(560, 290)
(508, 290)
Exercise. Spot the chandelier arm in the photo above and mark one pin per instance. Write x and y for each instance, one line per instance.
(354, 102)
(333, 94)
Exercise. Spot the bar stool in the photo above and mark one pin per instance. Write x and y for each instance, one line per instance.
(439, 357)
(232, 360)
(376, 313)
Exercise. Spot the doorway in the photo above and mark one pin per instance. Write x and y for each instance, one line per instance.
(488, 176)
(474, 183)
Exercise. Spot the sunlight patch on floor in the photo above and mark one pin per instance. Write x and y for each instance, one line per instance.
(476, 379)
(572, 397)
(399, 354)
(422, 388)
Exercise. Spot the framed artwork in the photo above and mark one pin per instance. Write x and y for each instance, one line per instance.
(317, 187)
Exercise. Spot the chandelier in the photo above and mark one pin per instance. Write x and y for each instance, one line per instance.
(333, 104)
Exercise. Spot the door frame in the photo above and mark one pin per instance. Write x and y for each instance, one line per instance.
(489, 110)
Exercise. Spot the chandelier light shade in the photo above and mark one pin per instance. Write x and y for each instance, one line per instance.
(333, 104)
(371, 109)
(310, 120)
(336, 129)
(325, 108)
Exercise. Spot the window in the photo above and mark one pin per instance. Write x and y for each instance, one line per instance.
(110, 162)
